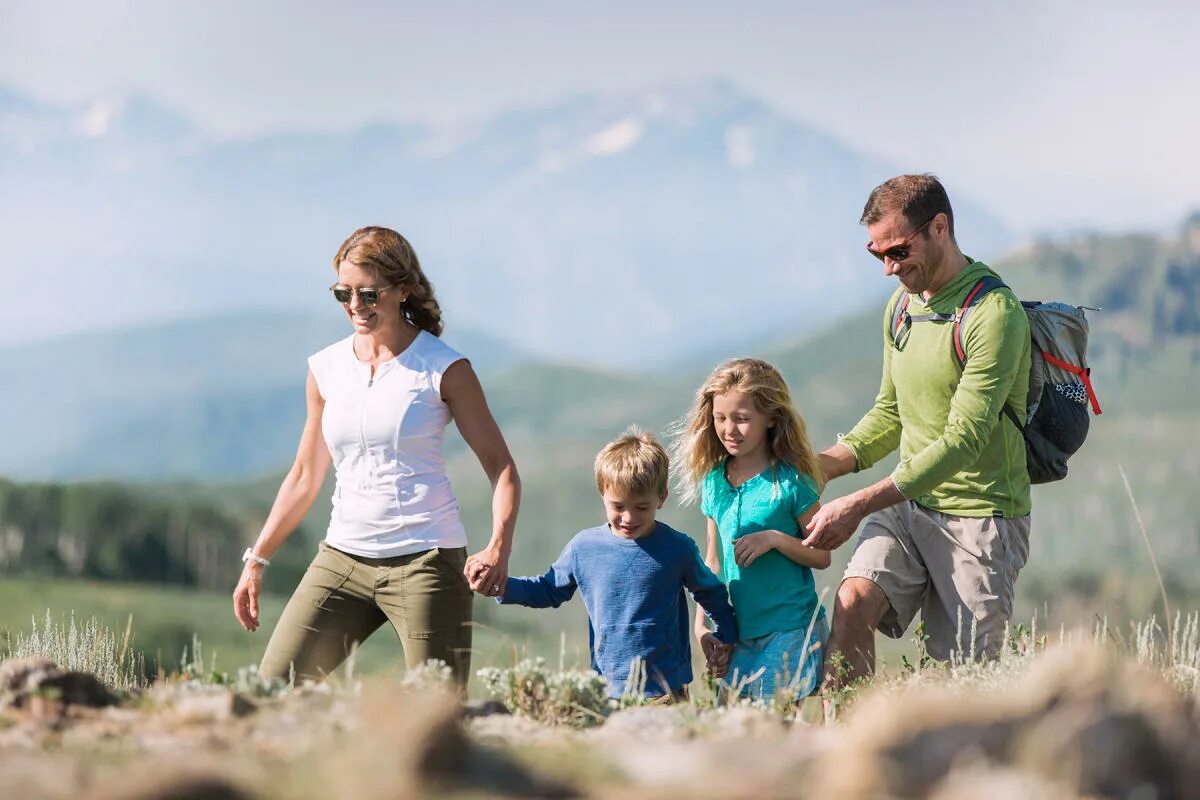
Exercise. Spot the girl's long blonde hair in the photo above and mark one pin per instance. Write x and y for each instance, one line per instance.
(695, 447)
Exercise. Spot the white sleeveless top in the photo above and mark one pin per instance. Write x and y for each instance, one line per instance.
(385, 435)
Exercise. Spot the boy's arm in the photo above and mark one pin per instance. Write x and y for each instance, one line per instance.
(551, 590)
(710, 592)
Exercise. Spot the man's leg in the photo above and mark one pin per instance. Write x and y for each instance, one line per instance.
(857, 611)
(882, 589)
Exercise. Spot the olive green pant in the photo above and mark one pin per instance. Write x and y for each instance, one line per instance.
(342, 599)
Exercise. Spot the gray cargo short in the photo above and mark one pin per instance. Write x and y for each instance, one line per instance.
(958, 571)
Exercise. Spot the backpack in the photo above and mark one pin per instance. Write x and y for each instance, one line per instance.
(1060, 387)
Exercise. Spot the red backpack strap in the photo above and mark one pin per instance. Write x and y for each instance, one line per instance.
(985, 284)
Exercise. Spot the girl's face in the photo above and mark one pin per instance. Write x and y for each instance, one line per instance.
(739, 424)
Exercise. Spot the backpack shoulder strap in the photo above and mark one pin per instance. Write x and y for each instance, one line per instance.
(899, 312)
(987, 283)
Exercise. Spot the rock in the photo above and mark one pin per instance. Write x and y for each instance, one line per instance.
(212, 707)
(660, 723)
(24, 679)
(187, 787)
(746, 723)
(484, 708)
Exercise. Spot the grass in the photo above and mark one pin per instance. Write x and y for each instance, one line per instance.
(164, 621)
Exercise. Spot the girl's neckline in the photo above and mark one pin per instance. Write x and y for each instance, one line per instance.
(759, 475)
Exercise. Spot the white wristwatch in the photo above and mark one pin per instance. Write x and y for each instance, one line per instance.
(249, 555)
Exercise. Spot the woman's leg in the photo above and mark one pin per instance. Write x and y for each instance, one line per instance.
(427, 599)
(329, 614)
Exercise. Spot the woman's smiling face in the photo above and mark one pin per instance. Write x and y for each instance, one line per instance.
(369, 319)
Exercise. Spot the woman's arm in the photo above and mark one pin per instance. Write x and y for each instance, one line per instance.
(747, 549)
(296, 494)
(487, 570)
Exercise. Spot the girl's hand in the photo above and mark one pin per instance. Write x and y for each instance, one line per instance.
(747, 549)
(245, 596)
(716, 654)
(487, 571)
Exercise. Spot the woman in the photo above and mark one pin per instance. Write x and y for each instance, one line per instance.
(378, 405)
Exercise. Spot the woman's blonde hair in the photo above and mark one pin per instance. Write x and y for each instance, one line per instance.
(696, 449)
(392, 258)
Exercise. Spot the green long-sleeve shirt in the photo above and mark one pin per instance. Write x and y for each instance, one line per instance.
(958, 454)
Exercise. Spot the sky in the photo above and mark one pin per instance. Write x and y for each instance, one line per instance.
(1058, 115)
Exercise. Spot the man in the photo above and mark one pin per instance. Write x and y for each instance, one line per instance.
(948, 531)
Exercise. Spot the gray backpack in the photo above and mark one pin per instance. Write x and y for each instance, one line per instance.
(1060, 387)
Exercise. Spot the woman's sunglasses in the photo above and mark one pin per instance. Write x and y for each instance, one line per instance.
(369, 295)
(900, 252)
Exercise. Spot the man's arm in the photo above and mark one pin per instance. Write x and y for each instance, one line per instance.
(837, 461)
(996, 342)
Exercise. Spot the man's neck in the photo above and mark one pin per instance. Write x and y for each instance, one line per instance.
(950, 269)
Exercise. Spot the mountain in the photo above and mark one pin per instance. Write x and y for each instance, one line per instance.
(615, 230)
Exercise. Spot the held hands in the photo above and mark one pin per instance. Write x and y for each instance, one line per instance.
(487, 571)
(245, 596)
(833, 524)
(716, 654)
(747, 549)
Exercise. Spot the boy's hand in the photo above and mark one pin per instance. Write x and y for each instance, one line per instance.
(716, 655)
(747, 549)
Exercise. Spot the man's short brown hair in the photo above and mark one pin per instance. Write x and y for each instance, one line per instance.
(918, 197)
(635, 464)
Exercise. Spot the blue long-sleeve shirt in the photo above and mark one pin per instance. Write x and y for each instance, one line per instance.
(633, 591)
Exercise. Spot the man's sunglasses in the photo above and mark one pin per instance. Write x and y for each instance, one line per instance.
(900, 252)
(368, 295)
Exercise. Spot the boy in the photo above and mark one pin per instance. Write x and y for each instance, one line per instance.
(632, 573)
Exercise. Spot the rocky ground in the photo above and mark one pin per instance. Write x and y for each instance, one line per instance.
(1074, 723)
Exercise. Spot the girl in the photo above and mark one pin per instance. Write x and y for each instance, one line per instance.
(744, 453)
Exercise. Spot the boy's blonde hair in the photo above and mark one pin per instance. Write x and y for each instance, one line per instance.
(697, 448)
(634, 463)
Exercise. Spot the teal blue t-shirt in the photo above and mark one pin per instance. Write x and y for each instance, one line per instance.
(774, 594)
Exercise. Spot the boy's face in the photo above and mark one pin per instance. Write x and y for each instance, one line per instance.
(631, 516)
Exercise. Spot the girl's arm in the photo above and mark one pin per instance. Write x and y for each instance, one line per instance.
(712, 558)
(296, 494)
(747, 549)
(487, 570)
(716, 654)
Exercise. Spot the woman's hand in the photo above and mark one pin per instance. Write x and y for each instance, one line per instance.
(245, 596)
(747, 549)
(487, 571)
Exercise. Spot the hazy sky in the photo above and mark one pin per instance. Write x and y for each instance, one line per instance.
(1056, 114)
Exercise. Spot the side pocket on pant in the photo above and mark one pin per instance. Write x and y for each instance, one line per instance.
(327, 573)
(437, 594)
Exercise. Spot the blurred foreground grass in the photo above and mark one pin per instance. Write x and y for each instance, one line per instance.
(166, 619)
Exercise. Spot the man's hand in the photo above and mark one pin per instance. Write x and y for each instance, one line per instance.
(834, 523)
(716, 654)
(747, 549)
(487, 571)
